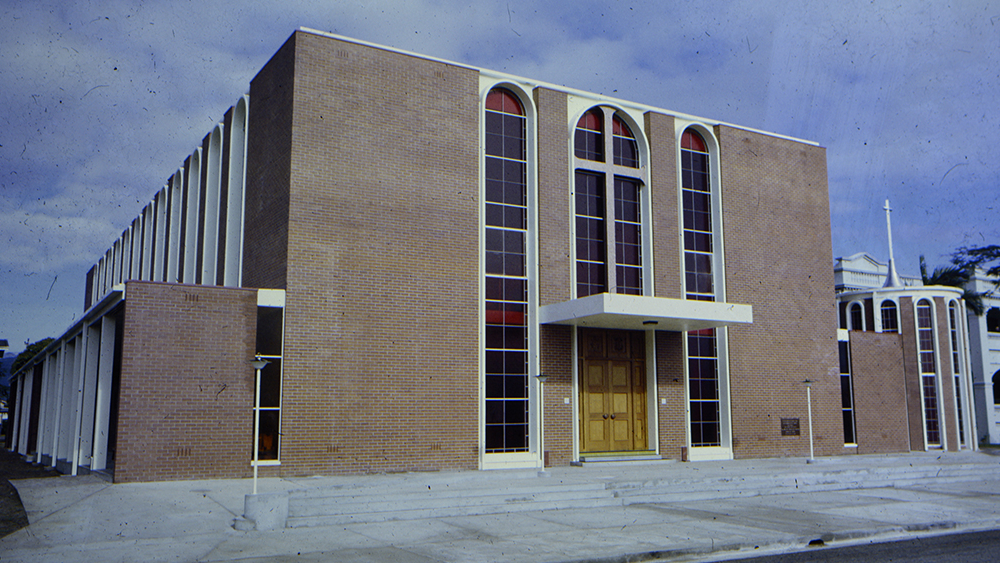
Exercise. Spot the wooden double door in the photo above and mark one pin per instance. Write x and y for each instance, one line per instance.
(612, 372)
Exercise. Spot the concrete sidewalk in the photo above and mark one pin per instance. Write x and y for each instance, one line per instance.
(657, 511)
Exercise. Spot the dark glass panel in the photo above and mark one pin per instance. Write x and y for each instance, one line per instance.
(516, 437)
(849, 427)
(494, 263)
(494, 437)
(494, 170)
(515, 338)
(270, 384)
(845, 391)
(494, 362)
(494, 412)
(845, 366)
(267, 434)
(494, 336)
(269, 330)
(515, 217)
(515, 412)
(494, 386)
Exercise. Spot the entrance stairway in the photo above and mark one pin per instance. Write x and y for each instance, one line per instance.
(378, 498)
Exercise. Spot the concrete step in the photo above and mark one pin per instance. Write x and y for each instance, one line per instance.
(302, 504)
(481, 493)
(453, 511)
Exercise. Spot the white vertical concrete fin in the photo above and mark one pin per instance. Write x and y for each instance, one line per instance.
(102, 410)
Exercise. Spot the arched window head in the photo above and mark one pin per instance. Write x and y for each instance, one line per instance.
(590, 136)
(993, 320)
(693, 141)
(857, 317)
(890, 319)
(503, 101)
(626, 148)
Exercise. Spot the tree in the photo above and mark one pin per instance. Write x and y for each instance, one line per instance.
(30, 351)
(954, 276)
(969, 258)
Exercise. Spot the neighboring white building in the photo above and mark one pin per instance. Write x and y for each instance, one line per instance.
(984, 345)
(863, 271)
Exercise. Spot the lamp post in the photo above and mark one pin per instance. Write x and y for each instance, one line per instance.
(258, 364)
(809, 405)
(541, 421)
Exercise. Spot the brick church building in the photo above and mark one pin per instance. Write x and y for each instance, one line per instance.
(448, 267)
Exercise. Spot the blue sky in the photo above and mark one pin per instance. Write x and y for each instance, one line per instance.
(103, 100)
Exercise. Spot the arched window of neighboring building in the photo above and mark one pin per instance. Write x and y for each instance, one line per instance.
(928, 371)
(996, 388)
(857, 317)
(956, 366)
(890, 317)
(993, 320)
(506, 284)
(600, 265)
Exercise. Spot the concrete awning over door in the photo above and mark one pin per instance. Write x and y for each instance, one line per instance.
(634, 312)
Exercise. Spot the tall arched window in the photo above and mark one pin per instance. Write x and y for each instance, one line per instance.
(956, 366)
(928, 371)
(696, 193)
(702, 349)
(598, 242)
(506, 283)
(890, 316)
(857, 317)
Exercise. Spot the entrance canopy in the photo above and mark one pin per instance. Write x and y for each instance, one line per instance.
(634, 312)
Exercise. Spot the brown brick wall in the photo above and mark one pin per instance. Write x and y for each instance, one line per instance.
(555, 253)
(382, 323)
(880, 400)
(557, 362)
(664, 202)
(911, 370)
(269, 146)
(670, 386)
(776, 216)
(187, 388)
(949, 421)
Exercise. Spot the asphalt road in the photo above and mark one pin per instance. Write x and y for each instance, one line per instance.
(971, 547)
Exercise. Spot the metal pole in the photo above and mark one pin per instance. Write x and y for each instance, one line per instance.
(256, 427)
(810, 407)
(541, 422)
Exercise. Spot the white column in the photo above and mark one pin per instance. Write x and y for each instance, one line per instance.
(102, 412)
(58, 384)
(80, 364)
(213, 180)
(66, 418)
(173, 244)
(234, 208)
(44, 414)
(160, 209)
(193, 187)
(15, 430)
(29, 380)
(92, 356)
(135, 264)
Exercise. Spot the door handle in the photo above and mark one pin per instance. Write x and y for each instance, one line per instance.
(612, 416)
(605, 416)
